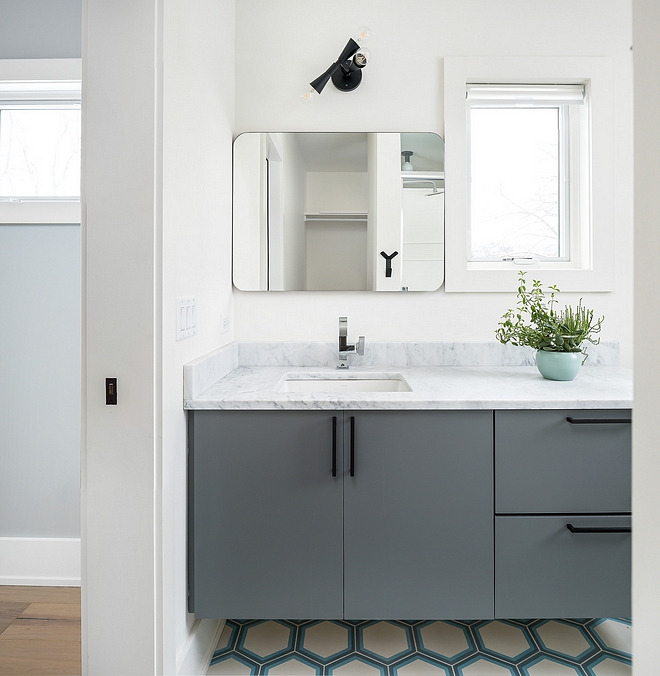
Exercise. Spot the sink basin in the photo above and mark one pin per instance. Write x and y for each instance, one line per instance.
(343, 382)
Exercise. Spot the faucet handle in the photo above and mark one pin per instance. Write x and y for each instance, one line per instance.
(359, 348)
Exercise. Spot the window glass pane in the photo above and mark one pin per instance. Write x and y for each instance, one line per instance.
(40, 153)
(514, 190)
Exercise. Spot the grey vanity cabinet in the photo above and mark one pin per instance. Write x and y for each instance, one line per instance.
(418, 528)
(265, 515)
(404, 528)
(562, 503)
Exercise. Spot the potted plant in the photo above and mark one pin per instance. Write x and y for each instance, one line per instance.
(558, 336)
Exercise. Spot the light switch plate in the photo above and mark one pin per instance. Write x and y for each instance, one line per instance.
(186, 318)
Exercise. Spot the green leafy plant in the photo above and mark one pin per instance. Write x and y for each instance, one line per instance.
(537, 324)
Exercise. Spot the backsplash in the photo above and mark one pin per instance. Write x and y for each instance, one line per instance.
(200, 374)
(407, 355)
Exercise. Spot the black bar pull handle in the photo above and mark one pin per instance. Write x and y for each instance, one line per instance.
(597, 421)
(352, 465)
(575, 529)
(334, 445)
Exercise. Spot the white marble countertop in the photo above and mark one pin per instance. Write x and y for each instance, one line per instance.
(433, 387)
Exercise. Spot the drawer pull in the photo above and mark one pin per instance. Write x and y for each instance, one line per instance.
(597, 421)
(574, 529)
(352, 468)
(334, 445)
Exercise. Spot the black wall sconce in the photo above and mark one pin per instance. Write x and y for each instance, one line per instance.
(346, 71)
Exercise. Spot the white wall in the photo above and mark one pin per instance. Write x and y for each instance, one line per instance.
(646, 459)
(294, 187)
(247, 206)
(384, 151)
(336, 250)
(402, 91)
(156, 192)
(337, 191)
(198, 109)
(337, 255)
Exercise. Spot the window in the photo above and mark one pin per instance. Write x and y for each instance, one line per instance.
(40, 142)
(521, 140)
(39, 153)
(529, 172)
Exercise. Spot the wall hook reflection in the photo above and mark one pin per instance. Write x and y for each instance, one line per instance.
(388, 262)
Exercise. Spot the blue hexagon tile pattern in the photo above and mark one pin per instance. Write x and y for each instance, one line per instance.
(549, 647)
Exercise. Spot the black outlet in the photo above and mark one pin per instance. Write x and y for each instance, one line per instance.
(111, 391)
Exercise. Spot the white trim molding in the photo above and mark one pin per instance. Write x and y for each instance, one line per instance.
(48, 562)
(62, 70)
(595, 271)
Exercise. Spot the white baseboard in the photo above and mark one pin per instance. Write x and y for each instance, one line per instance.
(40, 561)
(196, 654)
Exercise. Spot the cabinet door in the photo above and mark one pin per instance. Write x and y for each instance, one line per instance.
(418, 515)
(545, 570)
(265, 515)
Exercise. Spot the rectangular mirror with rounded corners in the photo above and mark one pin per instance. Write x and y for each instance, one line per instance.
(338, 211)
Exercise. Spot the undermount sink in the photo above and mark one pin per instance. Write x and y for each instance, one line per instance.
(343, 382)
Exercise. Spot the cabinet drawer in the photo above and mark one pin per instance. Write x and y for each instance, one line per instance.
(546, 464)
(544, 570)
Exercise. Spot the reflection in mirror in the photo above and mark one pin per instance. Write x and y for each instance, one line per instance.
(327, 211)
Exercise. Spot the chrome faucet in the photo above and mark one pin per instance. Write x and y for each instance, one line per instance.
(344, 347)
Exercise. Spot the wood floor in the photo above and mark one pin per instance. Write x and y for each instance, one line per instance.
(39, 631)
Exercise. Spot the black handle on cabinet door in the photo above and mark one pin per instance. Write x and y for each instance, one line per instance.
(575, 529)
(597, 421)
(352, 466)
(334, 445)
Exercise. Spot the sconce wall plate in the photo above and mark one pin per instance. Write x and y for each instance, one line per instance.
(346, 82)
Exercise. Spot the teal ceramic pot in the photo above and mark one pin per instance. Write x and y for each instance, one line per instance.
(559, 365)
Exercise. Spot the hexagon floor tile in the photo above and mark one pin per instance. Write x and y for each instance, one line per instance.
(386, 641)
(584, 647)
(325, 641)
(504, 640)
(564, 638)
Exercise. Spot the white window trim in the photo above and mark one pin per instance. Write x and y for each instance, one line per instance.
(40, 70)
(596, 271)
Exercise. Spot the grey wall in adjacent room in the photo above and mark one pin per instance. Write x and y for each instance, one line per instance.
(40, 381)
(40, 337)
(40, 29)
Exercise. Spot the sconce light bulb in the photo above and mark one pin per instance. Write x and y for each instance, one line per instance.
(362, 57)
(363, 34)
(308, 95)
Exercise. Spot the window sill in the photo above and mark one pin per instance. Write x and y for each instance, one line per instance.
(491, 279)
(21, 213)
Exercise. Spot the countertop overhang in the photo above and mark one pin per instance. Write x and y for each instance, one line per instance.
(433, 387)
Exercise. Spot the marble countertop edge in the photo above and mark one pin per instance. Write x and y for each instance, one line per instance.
(438, 388)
